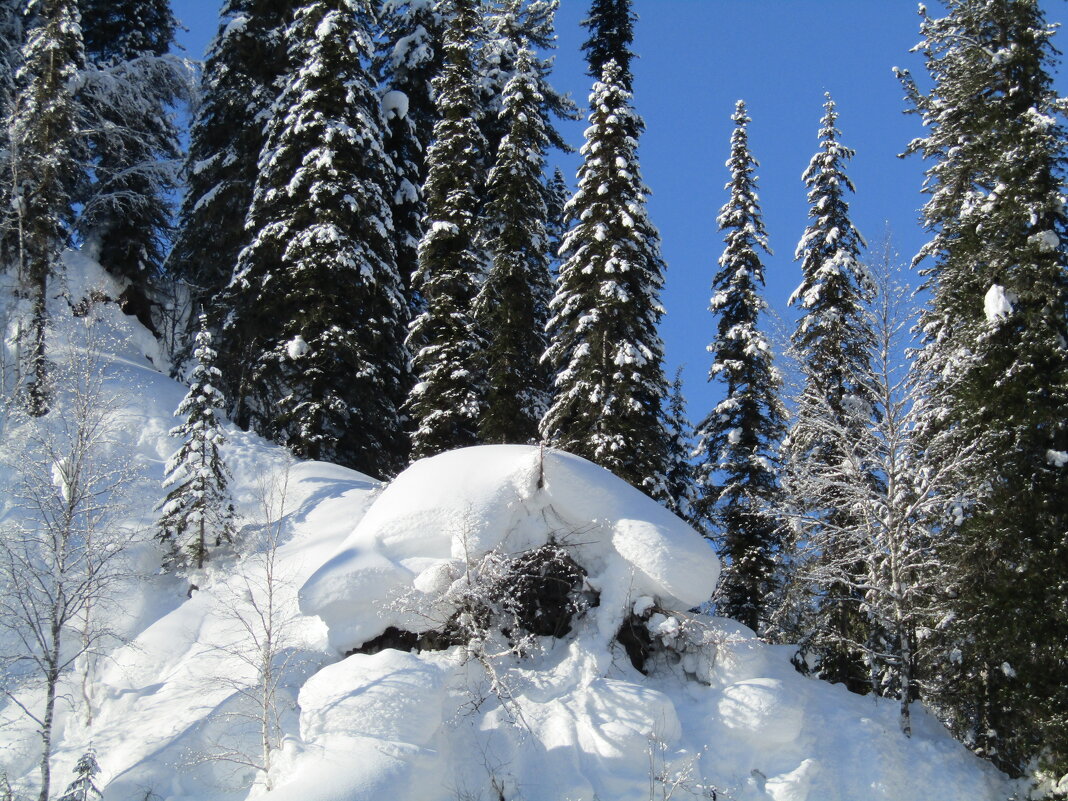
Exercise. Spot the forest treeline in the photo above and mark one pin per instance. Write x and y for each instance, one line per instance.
(371, 262)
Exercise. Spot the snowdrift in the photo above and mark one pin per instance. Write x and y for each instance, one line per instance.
(416, 667)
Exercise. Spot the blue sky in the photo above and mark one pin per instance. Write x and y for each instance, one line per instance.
(697, 57)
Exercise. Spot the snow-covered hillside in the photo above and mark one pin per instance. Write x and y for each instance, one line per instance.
(522, 627)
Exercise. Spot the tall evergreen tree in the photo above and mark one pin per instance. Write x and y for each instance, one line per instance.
(47, 165)
(128, 91)
(408, 57)
(680, 476)
(446, 402)
(509, 27)
(833, 342)
(197, 511)
(12, 38)
(238, 87)
(317, 295)
(512, 306)
(557, 196)
(738, 440)
(610, 386)
(611, 26)
(996, 352)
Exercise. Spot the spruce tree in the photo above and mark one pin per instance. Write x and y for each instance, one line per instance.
(604, 347)
(512, 305)
(509, 27)
(680, 475)
(47, 162)
(128, 93)
(316, 295)
(84, 788)
(738, 439)
(238, 87)
(446, 402)
(996, 354)
(557, 196)
(408, 56)
(833, 343)
(12, 38)
(197, 513)
(611, 26)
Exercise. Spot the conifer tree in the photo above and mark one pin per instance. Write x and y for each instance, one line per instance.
(316, 293)
(738, 440)
(996, 354)
(128, 92)
(611, 26)
(509, 27)
(833, 343)
(238, 87)
(47, 161)
(197, 512)
(557, 196)
(604, 347)
(680, 476)
(512, 305)
(408, 57)
(446, 402)
(84, 788)
(12, 38)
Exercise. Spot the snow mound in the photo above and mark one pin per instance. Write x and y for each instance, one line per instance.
(443, 514)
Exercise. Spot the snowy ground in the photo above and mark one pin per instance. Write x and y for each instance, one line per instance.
(541, 719)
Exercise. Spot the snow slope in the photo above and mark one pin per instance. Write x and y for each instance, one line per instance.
(545, 719)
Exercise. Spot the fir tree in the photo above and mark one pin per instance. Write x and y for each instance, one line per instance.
(557, 195)
(611, 26)
(833, 343)
(737, 441)
(509, 27)
(197, 512)
(445, 403)
(408, 57)
(47, 164)
(512, 305)
(12, 38)
(84, 788)
(238, 87)
(316, 294)
(605, 350)
(128, 92)
(996, 354)
(680, 476)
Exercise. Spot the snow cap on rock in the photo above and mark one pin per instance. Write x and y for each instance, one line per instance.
(447, 511)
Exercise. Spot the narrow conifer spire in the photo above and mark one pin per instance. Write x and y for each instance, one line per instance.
(446, 403)
(512, 305)
(604, 347)
(738, 440)
(197, 513)
(833, 343)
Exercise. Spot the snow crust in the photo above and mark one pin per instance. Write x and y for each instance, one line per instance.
(570, 719)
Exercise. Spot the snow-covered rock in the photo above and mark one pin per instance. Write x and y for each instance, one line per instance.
(444, 513)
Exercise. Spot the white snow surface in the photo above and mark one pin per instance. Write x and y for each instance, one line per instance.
(571, 719)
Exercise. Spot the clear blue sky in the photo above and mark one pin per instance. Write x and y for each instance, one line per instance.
(696, 58)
